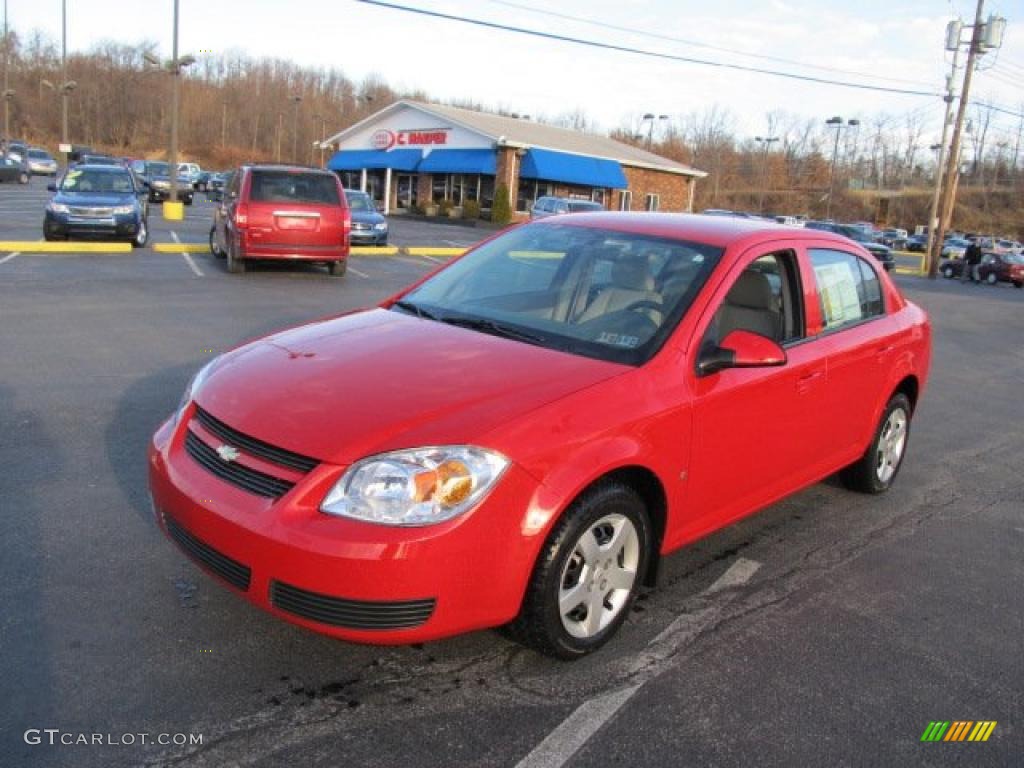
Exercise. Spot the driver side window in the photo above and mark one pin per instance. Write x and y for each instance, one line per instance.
(764, 299)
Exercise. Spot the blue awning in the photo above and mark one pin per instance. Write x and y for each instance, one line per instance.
(572, 169)
(460, 161)
(358, 159)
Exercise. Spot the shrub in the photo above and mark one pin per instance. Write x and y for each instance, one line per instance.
(471, 209)
(445, 206)
(501, 209)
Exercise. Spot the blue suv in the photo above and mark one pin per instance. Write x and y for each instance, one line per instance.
(97, 201)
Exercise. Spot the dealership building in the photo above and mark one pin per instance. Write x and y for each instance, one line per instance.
(413, 154)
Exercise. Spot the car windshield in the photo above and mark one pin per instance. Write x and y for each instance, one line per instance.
(599, 293)
(38, 154)
(92, 181)
(1013, 258)
(359, 203)
(293, 187)
(158, 169)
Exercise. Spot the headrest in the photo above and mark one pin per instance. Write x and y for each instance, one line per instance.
(752, 291)
(631, 272)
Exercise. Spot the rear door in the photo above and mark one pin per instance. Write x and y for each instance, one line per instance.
(295, 209)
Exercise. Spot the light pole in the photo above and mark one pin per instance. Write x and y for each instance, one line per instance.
(8, 93)
(64, 89)
(838, 123)
(174, 65)
(296, 99)
(650, 128)
(765, 141)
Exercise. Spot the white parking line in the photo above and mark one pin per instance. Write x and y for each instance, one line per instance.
(566, 740)
(355, 271)
(187, 256)
(9, 256)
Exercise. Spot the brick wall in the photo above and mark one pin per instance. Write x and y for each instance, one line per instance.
(672, 189)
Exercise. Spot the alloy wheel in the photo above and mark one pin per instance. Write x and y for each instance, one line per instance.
(891, 443)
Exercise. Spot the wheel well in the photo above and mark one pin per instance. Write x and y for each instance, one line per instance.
(909, 387)
(651, 491)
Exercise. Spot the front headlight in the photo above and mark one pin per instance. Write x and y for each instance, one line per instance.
(124, 209)
(193, 387)
(420, 486)
(58, 207)
(381, 227)
(161, 184)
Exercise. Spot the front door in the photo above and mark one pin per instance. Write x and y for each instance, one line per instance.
(406, 199)
(757, 431)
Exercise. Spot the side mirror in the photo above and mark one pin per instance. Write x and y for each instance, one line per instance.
(741, 349)
(51, 187)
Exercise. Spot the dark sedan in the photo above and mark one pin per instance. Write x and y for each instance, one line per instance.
(994, 268)
(97, 201)
(13, 169)
(369, 227)
(917, 243)
(859, 235)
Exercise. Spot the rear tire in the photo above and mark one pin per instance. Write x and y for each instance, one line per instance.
(23, 178)
(875, 471)
(236, 266)
(337, 268)
(142, 236)
(1018, 285)
(992, 278)
(948, 273)
(214, 248)
(587, 575)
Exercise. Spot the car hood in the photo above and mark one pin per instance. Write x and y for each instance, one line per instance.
(366, 217)
(104, 199)
(345, 388)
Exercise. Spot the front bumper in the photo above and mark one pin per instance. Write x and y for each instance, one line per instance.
(65, 225)
(369, 236)
(348, 579)
(159, 195)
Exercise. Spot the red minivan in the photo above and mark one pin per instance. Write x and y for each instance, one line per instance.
(517, 439)
(282, 212)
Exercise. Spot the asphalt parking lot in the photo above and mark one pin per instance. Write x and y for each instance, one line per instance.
(830, 629)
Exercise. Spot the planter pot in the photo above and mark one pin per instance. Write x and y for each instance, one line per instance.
(455, 212)
(430, 210)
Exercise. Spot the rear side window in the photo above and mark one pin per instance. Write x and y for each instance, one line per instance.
(848, 288)
(287, 187)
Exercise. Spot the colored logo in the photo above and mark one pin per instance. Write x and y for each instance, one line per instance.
(228, 452)
(958, 730)
(382, 139)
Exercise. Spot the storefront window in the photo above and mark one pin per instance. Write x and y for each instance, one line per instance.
(626, 200)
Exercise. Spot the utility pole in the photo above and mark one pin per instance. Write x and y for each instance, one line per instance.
(280, 128)
(295, 129)
(223, 125)
(175, 105)
(984, 37)
(940, 160)
(766, 141)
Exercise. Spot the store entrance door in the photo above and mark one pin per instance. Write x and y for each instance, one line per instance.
(406, 192)
(375, 186)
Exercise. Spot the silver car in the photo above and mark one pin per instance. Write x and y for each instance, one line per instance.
(41, 162)
(550, 206)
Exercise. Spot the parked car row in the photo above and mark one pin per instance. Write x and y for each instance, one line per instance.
(993, 268)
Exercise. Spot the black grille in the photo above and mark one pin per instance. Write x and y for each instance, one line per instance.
(231, 471)
(351, 614)
(232, 571)
(256, 447)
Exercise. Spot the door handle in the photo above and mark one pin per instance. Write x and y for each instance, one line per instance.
(805, 382)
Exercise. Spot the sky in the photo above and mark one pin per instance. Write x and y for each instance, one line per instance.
(895, 44)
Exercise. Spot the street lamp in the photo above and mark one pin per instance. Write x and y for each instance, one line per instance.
(838, 123)
(650, 128)
(765, 141)
(295, 128)
(174, 65)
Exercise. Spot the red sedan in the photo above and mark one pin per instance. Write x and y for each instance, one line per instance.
(517, 439)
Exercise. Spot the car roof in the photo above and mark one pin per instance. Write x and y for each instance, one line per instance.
(289, 168)
(720, 231)
(102, 167)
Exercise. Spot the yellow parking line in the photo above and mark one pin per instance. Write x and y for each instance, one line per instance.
(31, 246)
(367, 250)
(181, 247)
(907, 271)
(414, 251)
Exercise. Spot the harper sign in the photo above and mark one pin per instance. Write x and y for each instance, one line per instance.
(385, 139)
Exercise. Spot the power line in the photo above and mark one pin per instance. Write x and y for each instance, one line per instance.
(642, 52)
(697, 44)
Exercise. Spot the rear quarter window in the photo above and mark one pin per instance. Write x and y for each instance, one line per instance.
(289, 187)
(849, 290)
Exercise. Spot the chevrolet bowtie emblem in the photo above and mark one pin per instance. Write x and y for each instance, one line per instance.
(228, 452)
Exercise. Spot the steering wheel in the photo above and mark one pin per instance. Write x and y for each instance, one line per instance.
(643, 304)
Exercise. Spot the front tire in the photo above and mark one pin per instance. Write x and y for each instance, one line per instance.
(875, 471)
(23, 178)
(948, 273)
(142, 236)
(992, 278)
(588, 574)
(187, 200)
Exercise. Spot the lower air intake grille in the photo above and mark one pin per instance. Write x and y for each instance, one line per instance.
(351, 614)
(232, 571)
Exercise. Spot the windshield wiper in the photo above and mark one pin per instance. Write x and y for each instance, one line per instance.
(416, 309)
(494, 328)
